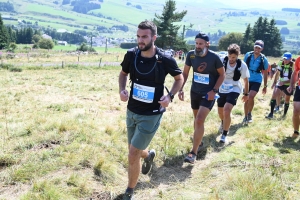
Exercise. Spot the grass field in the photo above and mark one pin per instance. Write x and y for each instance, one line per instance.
(207, 19)
(63, 136)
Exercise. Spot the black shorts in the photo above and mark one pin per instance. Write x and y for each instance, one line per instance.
(198, 100)
(283, 88)
(231, 98)
(254, 86)
(297, 94)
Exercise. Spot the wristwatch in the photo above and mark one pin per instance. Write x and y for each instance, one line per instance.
(245, 94)
(215, 90)
(171, 96)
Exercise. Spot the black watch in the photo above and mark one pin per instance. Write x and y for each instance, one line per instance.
(215, 90)
(171, 96)
(245, 94)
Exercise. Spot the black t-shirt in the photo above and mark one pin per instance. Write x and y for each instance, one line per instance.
(205, 71)
(145, 91)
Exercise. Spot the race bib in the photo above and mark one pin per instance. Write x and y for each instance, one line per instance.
(143, 93)
(201, 78)
(226, 88)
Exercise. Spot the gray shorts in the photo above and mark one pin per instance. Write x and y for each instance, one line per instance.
(141, 129)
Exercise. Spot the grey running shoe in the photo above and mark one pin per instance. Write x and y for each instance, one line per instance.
(223, 139)
(127, 196)
(249, 118)
(270, 116)
(295, 134)
(148, 162)
(190, 158)
(245, 121)
(276, 109)
(221, 128)
(200, 148)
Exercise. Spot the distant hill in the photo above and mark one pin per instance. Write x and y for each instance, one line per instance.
(119, 18)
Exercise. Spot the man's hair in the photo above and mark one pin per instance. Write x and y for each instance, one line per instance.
(148, 25)
(234, 49)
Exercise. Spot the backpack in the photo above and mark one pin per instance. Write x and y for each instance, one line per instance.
(237, 72)
(160, 72)
(261, 65)
(290, 69)
(159, 67)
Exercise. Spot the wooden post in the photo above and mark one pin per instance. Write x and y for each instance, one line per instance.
(100, 62)
(62, 64)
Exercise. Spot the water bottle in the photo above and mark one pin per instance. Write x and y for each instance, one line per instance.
(216, 96)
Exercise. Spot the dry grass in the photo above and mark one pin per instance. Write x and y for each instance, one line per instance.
(63, 136)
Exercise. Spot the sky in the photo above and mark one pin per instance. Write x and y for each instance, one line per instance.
(267, 4)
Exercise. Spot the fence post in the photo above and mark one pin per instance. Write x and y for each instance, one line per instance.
(100, 62)
(62, 64)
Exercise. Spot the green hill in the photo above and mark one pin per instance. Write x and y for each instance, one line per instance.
(211, 16)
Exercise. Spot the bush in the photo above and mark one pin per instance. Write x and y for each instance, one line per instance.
(6, 66)
(46, 44)
(14, 69)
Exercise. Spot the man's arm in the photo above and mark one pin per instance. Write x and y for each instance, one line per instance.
(122, 84)
(178, 81)
(185, 74)
(265, 76)
(294, 78)
(246, 85)
(221, 78)
(211, 94)
(177, 85)
(275, 79)
(246, 90)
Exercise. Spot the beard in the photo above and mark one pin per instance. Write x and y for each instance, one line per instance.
(146, 47)
(200, 52)
(232, 62)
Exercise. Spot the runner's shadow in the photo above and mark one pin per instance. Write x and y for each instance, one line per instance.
(287, 144)
(235, 127)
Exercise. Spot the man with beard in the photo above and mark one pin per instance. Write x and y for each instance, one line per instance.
(258, 67)
(208, 75)
(231, 87)
(148, 67)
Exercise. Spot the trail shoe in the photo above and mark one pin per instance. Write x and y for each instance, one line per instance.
(190, 158)
(276, 109)
(223, 139)
(270, 116)
(249, 118)
(127, 196)
(295, 134)
(245, 121)
(221, 128)
(148, 162)
(201, 148)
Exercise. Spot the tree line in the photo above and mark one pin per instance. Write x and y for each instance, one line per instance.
(28, 35)
(262, 30)
(7, 7)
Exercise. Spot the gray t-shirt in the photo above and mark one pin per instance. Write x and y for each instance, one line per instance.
(205, 74)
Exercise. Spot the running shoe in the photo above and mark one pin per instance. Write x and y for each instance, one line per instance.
(148, 162)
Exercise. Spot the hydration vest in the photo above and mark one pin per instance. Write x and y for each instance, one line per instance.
(261, 64)
(237, 72)
(290, 69)
(159, 68)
